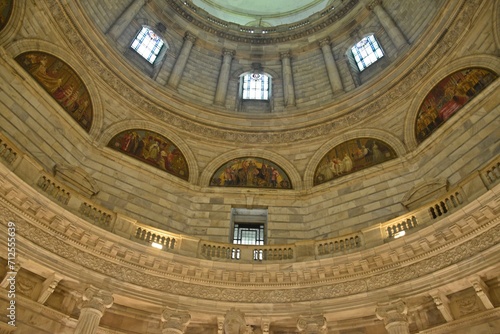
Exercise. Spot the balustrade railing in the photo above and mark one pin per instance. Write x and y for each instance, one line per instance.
(400, 229)
(97, 215)
(447, 204)
(157, 239)
(7, 152)
(338, 245)
(54, 189)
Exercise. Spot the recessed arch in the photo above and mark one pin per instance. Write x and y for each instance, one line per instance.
(12, 16)
(276, 160)
(170, 139)
(392, 143)
(487, 62)
(25, 47)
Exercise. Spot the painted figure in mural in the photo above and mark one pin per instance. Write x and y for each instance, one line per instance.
(449, 96)
(250, 172)
(352, 156)
(152, 149)
(38, 69)
(62, 83)
(5, 8)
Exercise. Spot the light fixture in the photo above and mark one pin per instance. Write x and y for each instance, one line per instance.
(157, 245)
(399, 234)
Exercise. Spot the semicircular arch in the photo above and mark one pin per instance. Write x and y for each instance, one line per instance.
(280, 161)
(109, 133)
(384, 136)
(31, 45)
(14, 22)
(488, 62)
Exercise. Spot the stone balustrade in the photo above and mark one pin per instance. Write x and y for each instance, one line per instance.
(400, 229)
(156, 238)
(446, 204)
(7, 151)
(491, 174)
(97, 215)
(339, 245)
(53, 189)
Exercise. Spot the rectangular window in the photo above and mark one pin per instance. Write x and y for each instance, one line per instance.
(249, 226)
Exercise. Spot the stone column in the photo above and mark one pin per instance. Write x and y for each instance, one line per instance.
(126, 18)
(331, 66)
(95, 302)
(387, 22)
(287, 77)
(443, 305)
(312, 324)
(48, 288)
(174, 322)
(181, 61)
(220, 93)
(394, 315)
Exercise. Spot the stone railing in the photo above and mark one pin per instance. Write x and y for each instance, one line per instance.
(491, 174)
(53, 188)
(8, 153)
(400, 229)
(99, 216)
(339, 245)
(446, 204)
(246, 253)
(158, 239)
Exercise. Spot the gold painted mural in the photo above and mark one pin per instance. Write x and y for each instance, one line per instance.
(449, 96)
(62, 83)
(5, 12)
(251, 172)
(352, 156)
(153, 149)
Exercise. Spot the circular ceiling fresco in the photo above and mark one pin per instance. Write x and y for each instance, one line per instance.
(263, 13)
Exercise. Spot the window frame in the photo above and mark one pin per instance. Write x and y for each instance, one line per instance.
(368, 53)
(263, 89)
(147, 52)
(243, 219)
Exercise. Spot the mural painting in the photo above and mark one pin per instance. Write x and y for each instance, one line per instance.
(352, 156)
(5, 12)
(62, 83)
(251, 172)
(153, 149)
(448, 96)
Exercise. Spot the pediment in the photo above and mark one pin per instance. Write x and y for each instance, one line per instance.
(76, 178)
(424, 192)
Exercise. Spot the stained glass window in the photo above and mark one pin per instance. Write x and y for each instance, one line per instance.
(255, 86)
(147, 44)
(366, 52)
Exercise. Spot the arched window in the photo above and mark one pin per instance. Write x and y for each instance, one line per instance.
(366, 52)
(255, 86)
(148, 44)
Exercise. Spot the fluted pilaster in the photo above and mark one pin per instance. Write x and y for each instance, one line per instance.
(388, 23)
(95, 302)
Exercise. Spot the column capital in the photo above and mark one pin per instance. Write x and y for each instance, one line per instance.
(312, 324)
(371, 4)
(285, 54)
(97, 299)
(324, 41)
(393, 311)
(174, 320)
(189, 36)
(234, 322)
(228, 53)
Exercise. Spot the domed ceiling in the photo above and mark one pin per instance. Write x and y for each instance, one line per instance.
(263, 13)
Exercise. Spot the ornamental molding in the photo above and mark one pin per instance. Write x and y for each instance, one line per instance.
(66, 246)
(450, 38)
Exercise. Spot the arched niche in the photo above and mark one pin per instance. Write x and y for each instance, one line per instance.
(152, 148)
(251, 172)
(483, 61)
(448, 96)
(352, 156)
(62, 83)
